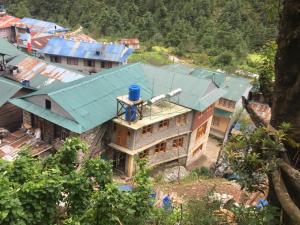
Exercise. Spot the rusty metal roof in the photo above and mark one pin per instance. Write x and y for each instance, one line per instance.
(129, 41)
(41, 73)
(8, 21)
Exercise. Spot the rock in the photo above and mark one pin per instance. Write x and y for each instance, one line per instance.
(3, 133)
(171, 174)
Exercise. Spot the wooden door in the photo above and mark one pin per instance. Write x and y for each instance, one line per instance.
(121, 136)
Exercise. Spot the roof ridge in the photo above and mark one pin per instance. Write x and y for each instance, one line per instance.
(88, 80)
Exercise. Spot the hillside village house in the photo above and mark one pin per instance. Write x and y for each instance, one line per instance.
(228, 107)
(133, 43)
(175, 128)
(33, 28)
(22, 74)
(88, 57)
(6, 26)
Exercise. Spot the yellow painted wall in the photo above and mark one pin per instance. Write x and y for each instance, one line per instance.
(223, 124)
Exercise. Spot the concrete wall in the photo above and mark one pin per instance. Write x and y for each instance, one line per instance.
(173, 129)
(196, 143)
(81, 67)
(171, 152)
(40, 100)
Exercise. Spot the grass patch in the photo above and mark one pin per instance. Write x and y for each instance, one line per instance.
(157, 56)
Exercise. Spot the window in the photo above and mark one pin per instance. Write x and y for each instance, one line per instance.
(102, 64)
(147, 129)
(72, 61)
(178, 142)
(215, 121)
(128, 133)
(201, 131)
(109, 65)
(55, 59)
(163, 124)
(161, 147)
(89, 63)
(197, 149)
(144, 154)
(47, 104)
(181, 120)
(115, 127)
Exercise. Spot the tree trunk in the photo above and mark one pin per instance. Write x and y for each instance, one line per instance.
(286, 102)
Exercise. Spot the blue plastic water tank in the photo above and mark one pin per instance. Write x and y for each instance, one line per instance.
(130, 113)
(134, 92)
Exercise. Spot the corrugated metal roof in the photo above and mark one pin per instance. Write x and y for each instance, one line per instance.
(40, 25)
(8, 89)
(87, 50)
(129, 41)
(234, 85)
(91, 101)
(8, 21)
(8, 49)
(41, 73)
(178, 68)
(194, 93)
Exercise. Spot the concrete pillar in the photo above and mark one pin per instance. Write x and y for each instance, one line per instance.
(129, 166)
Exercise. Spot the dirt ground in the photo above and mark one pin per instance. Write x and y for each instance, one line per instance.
(200, 188)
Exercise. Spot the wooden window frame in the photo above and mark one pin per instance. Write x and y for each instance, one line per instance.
(144, 154)
(201, 131)
(160, 147)
(178, 142)
(89, 62)
(147, 129)
(164, 124)
(72, 61)
(55, 58)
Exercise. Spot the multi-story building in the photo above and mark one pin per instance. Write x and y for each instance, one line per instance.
(176, 128)
(85, 56)
(228, 107)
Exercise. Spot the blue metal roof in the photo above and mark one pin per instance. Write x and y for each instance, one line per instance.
(87, 50)
(42, 26)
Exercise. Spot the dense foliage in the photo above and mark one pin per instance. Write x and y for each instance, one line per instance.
(253, 155)
(222, 31)
(56, 191)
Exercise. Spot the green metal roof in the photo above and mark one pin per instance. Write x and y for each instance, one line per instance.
(47, 114)
(222, 113)
(178, 68)
(8, 49)
(91, 101)
(8, 89)
(234, 85)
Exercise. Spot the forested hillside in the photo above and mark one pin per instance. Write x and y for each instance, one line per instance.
(223, 31)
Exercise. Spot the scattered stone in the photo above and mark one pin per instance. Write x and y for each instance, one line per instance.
(172, 174)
